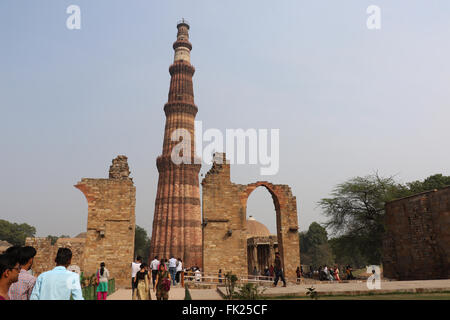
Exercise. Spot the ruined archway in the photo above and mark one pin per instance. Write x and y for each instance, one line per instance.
(224, 222)
(262, 238)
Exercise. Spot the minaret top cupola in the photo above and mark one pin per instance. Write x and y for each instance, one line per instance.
(182, 46)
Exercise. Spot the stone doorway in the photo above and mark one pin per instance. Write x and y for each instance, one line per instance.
(224, 222)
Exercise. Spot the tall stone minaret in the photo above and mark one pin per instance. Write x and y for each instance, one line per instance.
(177, 219)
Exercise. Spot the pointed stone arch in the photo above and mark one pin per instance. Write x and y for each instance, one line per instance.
(224, 222)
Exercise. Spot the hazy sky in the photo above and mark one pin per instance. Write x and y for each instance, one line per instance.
(348, 101)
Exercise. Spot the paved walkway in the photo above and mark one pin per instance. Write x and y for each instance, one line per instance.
(358, 288)
(353, 288)
(175, 293)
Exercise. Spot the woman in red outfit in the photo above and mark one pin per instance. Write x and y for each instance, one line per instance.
(336, 274)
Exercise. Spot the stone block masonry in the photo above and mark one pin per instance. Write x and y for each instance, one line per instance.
(177, 217)
(224, 222)
(111, 222)
(416, 245)
(46, 252)
(110, 228)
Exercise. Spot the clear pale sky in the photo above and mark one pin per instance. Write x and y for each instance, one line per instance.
(348, 101)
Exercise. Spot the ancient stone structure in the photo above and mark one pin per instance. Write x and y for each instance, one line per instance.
(177, 216)
(111, 222)
(417, 240)
(224, 222)
(4, 245)
(261, 246)
(46, 252)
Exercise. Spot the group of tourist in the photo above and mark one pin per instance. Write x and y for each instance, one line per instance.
(274, 272)
(163, 273)
(324, 273)
(17, 281)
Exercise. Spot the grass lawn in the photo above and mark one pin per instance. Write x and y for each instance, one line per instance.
(386, 296)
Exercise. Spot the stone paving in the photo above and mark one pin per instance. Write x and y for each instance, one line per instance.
(353, 288)
(358, 288)
(175, 293)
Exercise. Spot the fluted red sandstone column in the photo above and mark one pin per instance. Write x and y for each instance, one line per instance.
(177, 218)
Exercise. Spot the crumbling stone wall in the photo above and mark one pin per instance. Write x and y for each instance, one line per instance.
(111, 222)
(417, 241)
(224, 222)
(46, 252)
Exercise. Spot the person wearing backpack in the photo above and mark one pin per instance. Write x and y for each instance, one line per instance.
(162, 283)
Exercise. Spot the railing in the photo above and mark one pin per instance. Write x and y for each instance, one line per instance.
(90, 292)
(213, 278)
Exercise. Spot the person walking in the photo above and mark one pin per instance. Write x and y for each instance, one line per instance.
(330, 274)
(179, 270)
(266, 273)
(102, 282)
(255, 273)
(59, 283)
(325, 273)
(154, 267)
(336, 274)
(173, 269)
(135, 267)
(349, 273)
(278, 270)
(220, 275)
(142, 281)
(9, 273)
(21, 290)
(299, 274)
(271, 272)
(162, 284)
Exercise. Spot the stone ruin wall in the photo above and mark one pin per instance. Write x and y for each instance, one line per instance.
(224, 222)
(46, 252)
(110, 228)
(416, 245)
(222, 211)
(111, 222)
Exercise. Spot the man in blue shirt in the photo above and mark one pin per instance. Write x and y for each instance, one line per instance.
(59, 283)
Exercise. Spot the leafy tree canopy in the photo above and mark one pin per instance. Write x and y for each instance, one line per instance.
(16, 233)
(141, 243)
(355, 213)
(314, 247)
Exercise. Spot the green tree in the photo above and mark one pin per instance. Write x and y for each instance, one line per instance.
(16, 233)
(345, 251)
(437, 181)
(356, 210)
(314, 246)
(141, 243)
(356, 213)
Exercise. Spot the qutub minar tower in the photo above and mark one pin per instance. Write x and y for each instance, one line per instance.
(177, 219)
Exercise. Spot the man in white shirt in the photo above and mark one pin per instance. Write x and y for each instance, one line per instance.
(173, 269)
(135, 267)
(154, 266)
(59, 283)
